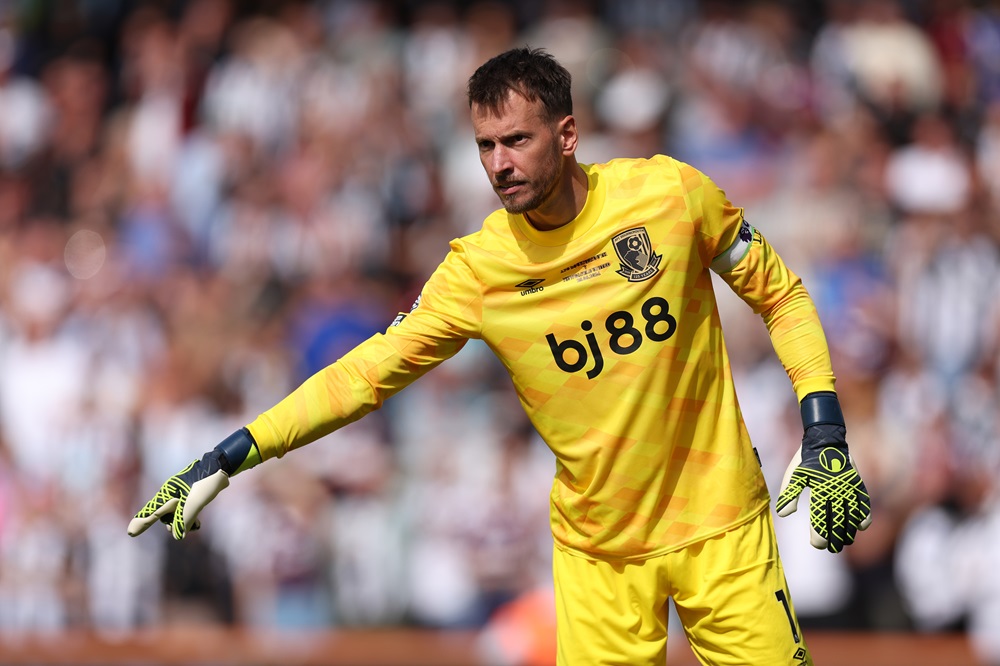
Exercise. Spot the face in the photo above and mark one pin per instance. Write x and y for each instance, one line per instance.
(522, 152)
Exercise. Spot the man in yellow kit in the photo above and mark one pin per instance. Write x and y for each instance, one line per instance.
(592, 286)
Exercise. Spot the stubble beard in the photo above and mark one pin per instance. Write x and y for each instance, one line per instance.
(512, 206)
(538, 196)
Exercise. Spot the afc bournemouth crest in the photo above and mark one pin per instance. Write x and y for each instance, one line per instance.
(635, 252)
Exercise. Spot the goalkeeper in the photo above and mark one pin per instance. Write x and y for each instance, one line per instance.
(592, 285)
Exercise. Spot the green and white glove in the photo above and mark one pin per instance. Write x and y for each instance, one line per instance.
(182, 497)
(839, 505)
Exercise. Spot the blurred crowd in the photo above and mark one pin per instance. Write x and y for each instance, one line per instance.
(203, 202)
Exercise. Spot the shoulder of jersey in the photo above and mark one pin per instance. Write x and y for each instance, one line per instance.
(495, 231)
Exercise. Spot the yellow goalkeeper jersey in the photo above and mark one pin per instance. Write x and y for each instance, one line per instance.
(609, 329)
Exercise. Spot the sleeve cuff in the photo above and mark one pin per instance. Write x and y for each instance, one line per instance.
(268, 443)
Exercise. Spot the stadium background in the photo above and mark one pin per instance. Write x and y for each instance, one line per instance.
(203, 202)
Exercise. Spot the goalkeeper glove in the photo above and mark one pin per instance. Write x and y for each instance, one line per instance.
(839, 505)
(182, 497)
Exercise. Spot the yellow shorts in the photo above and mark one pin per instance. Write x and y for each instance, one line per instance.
(729, 591)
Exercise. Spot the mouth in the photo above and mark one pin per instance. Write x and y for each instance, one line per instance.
(507, 188)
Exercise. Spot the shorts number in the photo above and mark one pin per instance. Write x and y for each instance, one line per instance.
(780, 594)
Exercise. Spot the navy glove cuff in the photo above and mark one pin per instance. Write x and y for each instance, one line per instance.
(821, 408)
(234, 450)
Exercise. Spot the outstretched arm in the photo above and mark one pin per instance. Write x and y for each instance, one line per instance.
(437, 327)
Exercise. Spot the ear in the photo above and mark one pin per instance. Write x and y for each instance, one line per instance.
(568, 135)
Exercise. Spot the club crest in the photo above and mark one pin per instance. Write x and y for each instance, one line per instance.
(635, 252)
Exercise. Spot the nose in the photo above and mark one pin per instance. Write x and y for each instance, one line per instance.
(500, 160)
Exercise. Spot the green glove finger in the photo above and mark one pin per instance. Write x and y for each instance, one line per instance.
(788, 498)
(182, 497)
(838, 505)
(164, 505)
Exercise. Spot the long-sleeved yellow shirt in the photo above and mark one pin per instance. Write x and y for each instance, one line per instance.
(610, 331)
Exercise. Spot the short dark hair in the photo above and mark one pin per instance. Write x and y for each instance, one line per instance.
(532, 73)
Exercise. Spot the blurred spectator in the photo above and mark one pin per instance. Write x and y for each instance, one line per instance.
(76, 85)
(34, 564)
(946, 272)
(27, 114)
(930, 174)
(987, 154)
(255, 87)
(893, 64)
(42, 365)
(632, 105)
(982, 35)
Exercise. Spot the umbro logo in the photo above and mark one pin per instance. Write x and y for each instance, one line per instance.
(530, 286)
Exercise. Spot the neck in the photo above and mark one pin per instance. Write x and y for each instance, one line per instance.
(566, 202)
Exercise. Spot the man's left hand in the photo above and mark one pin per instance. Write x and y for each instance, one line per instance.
(839, 505)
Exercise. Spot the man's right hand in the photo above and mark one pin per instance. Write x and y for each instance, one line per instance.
(182, 497)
